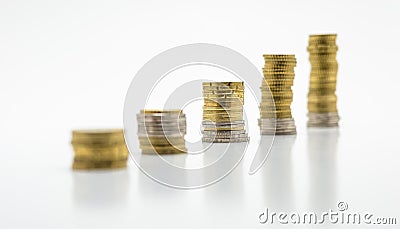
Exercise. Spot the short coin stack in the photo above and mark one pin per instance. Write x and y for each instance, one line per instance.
(276, 88)
(223, 112)
(99, 149)
(322, 109)
(162, 131)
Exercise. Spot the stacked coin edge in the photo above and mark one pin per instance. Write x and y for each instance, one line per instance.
(99, 149)
(275, 112)
(161, 131)
(223, 112)
(322, 99)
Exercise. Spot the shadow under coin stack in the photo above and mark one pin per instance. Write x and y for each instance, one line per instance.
(162, 131)
(322, 109)
(99, 149)
(276, 88)
(223, 112)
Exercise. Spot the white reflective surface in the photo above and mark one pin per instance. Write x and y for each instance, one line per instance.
(312, 171)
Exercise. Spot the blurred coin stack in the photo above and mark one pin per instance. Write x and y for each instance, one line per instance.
(276, 88)
(223, 112)
(99, 149)
(162, 131)
(322, 109)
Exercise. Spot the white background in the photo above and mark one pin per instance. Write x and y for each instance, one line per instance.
(68, 64)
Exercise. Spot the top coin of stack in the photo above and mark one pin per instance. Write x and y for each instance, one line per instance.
(322, 99)
(223, 112)
(276, 88)
(99, 149)
(162, 131)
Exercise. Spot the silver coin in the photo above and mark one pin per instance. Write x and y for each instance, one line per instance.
(329, 119)
(226, 137)
(151, 123)
(277, 126)
(213, 127)
(159, 124)
(224, 132)
(266, 132)
(223, 90)
(161, 116)
(236, 140)
(236, 135)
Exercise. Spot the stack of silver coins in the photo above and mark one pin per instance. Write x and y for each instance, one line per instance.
(223, 112)
(162, 131)
(283, 126)
(329, 119)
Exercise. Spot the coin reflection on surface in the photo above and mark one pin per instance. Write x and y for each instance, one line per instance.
(322, 153)
(94, 189)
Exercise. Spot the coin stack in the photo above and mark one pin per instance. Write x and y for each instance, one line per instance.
(322, 109)
(99, 149)
(223, 112)
(162, 131)
(276, 88)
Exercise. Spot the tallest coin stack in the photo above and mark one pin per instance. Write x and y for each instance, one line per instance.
(322, 109)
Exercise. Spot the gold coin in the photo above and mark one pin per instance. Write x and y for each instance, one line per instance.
(286, 57)
(99, 150)
(222, 112)
(320, 48)
(211, 105)
(322, 56)
(322, 99)
(223, 119)
(218, 117)
(322, 39)
(223, 84)
(321, 109)
(221, 109)
(223, 87)
(163, 151)
(98, 157)
(170, 142)
(98, 136)
(89, 165)
(282, 102)
(276, 115)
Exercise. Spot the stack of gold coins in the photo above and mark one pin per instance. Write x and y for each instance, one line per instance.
(223, 112)
(162, 131)
(322, 109)
(99, 149)
(276, 88)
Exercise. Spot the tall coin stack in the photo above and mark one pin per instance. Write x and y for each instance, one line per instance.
(223, 112)
(276, 88)
(322, 109)
(99, 149)
(162, 131)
